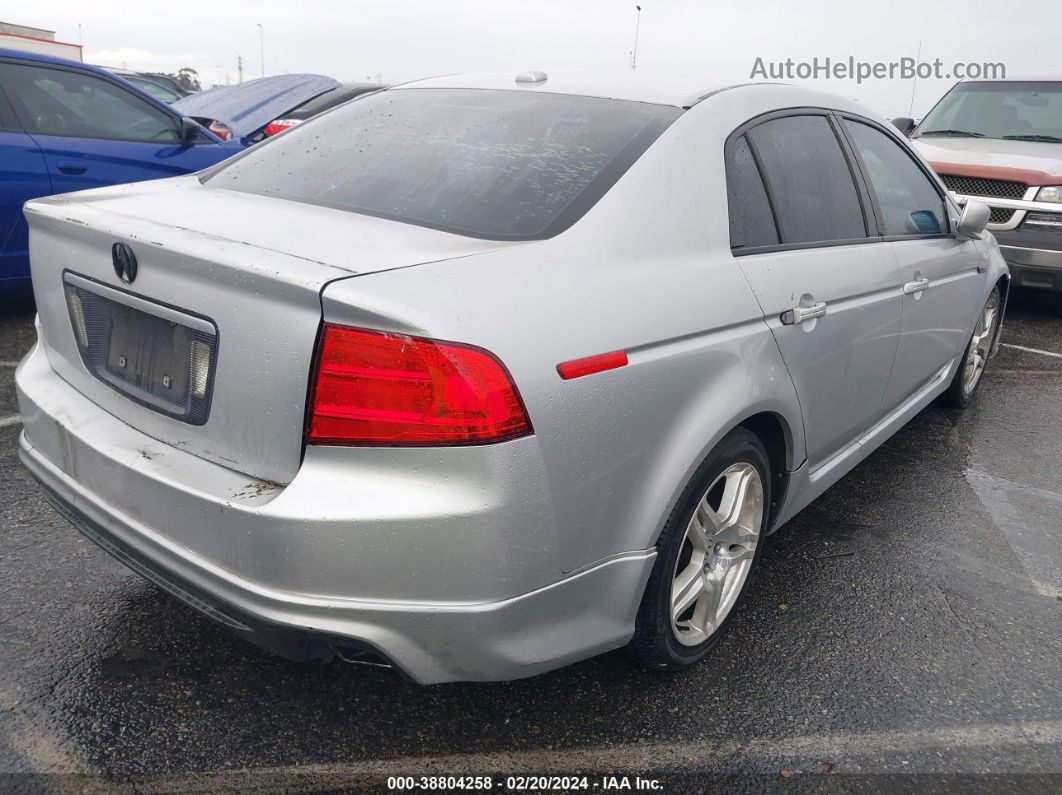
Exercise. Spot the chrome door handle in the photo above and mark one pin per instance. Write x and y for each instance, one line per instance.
(915, 287)
(798, 314)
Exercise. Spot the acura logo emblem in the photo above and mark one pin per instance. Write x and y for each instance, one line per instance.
(124, 261)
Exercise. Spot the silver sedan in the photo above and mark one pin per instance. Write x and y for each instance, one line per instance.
(482, 375)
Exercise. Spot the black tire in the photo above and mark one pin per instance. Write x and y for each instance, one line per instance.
(655, 642)
(957, 394)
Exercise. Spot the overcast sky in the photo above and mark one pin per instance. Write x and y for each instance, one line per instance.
(403, 40)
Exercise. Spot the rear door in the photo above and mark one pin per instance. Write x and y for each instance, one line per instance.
(95, 132)
(942, 287)
(23, 176)
(805, 237)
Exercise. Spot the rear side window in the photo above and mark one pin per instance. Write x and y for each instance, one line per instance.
(67, 102)
(496, 164)
(751, 219)
(810, 183)
(909, 203)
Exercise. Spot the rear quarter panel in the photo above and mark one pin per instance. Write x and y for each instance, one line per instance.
(647, 270)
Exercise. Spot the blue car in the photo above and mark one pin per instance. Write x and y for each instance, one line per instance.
(65, 126)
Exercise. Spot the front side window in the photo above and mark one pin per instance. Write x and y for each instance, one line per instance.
(1011, 110)
(751, 219)
(495, 164)
(65, 102)
(810, 183)
(909, 203)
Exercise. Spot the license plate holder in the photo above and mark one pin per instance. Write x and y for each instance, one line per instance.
(156, 355)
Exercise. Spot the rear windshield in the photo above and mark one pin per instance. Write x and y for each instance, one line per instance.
(504, 165)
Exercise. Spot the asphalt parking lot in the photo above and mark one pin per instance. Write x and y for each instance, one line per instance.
(909, 622)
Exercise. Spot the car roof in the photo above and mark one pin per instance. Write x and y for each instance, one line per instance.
(680, 91)
(1033, 78)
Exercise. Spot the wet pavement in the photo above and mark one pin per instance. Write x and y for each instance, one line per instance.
(908, 622)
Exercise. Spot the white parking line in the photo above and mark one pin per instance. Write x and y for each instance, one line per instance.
(1019, 513)
(8, 364)
(5, 421)
(1033, 350)
(633, 757)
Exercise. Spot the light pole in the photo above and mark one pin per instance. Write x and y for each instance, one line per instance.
(637, 25)
(261, 45)
(914, 83)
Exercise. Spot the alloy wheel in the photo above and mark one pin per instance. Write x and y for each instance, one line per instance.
(980, 343)
(717, 553)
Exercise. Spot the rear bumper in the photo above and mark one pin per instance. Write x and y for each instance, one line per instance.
(293, 644)
(252, 562)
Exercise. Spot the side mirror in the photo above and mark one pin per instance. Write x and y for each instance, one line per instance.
(973, 220)
(188, 129)
(904, 125)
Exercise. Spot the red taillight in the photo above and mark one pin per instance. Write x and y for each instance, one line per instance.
(279, 125)
(376, 388)
(222, 131)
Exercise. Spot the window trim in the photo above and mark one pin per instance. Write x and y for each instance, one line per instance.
(930, 176)
(20, 112)
(756, 164)
(872, 213)
(870, 220)
(855, 241)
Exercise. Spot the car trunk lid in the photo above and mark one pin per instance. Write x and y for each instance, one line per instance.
(225, 281)
(248, 107)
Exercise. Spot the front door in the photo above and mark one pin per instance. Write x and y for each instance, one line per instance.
(95, 132)
(941, 282)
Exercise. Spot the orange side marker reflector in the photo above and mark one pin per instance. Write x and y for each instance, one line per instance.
(577, 368)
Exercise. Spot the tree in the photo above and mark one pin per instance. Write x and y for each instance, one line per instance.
(187, 78)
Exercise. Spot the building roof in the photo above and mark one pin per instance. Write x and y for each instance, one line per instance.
(26, 30)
